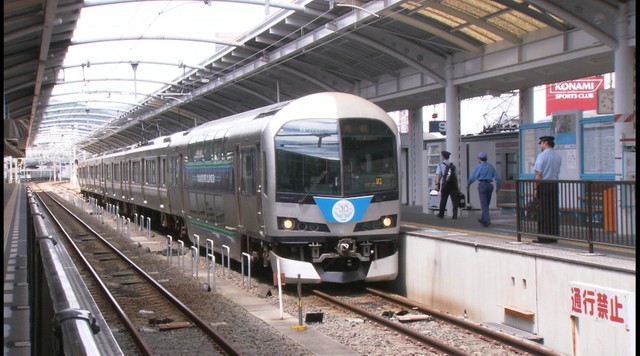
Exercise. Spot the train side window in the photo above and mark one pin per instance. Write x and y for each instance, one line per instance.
(143, 171)
(209, 209)
(193, 205)
(219, 209)
(264, 173)
(231, 179)
(202, 206)
(208, 148)
(198, 155)
(150, 171)
(247, 181)
(163, 167)
(116, 172)
(135, 172)
(177, 168)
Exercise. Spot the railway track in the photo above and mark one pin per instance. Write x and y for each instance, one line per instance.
(143, 306)
(435, 332)
(430, 333)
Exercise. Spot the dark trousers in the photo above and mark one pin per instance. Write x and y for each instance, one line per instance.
(485, 190)
(548, 215)
(444, 195)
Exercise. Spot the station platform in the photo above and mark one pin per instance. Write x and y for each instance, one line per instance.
(503, 230)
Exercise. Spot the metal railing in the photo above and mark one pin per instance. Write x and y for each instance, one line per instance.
(60, 324)
(594, 212)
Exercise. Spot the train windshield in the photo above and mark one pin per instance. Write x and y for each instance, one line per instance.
(327, 157)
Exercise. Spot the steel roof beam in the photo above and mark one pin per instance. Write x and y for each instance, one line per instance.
(45, 41)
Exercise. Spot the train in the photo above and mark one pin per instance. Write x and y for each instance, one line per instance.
(308, 187)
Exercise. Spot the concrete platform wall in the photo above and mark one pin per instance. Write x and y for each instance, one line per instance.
(529, 290)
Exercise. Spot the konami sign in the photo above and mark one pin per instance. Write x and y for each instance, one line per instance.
(574, 94)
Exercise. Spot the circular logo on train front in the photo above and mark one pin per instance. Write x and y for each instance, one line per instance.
(343, 211)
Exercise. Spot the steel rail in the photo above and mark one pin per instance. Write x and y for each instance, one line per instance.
(203, 324)
(417, 336)
(521, 344)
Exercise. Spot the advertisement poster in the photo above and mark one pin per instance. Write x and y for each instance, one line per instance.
(580, 94)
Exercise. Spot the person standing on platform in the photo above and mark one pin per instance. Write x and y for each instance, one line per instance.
(547, 168)
(447, 184)
(485, 173)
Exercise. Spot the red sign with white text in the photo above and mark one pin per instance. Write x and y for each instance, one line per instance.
(574, 94)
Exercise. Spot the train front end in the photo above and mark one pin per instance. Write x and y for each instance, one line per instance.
(334, 206)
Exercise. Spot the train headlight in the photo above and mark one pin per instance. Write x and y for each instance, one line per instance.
(387, 221)
(287, 224)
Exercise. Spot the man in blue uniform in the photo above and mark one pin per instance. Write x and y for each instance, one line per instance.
(547, 168)
(485, 173)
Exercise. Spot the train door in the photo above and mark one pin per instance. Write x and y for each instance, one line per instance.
(247, 190)
(174, 185)
(161, 165)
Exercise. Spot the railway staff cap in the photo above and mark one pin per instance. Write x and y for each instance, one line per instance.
(482, 155)
(446, 154)
(547, 139)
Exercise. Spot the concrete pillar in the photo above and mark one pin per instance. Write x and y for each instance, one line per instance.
(452, 124)
(623, 93)
(526, 106)
(416, 160)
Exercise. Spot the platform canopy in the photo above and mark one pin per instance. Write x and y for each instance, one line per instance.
(102, 74)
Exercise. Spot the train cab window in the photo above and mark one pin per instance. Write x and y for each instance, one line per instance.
(370, 159)
(309, 152)
(308, 157)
